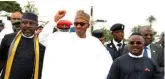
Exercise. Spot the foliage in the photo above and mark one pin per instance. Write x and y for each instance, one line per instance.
(151, 19)
(137, 28)
(10, 6)
(30, 7)
(107, 35)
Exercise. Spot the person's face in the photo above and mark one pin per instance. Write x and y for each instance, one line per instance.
(39, 30)
(147, 35)
(81, 26)
(15, 17)
(136, 45)
(118, 35)
(64, 29)
(28, 27)
(102, 40)
(1, 28)
(18, 28)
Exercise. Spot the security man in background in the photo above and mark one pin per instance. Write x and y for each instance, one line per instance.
(116, 45)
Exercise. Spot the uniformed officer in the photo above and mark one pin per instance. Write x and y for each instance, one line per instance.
(116, 45)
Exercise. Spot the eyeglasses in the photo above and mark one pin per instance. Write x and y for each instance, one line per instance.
(137, 42)
(81, 23)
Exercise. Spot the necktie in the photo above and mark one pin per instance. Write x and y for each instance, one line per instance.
(119, 46)
(145, 52)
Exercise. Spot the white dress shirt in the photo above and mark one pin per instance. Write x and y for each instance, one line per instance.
(115, 43)
(148, 50)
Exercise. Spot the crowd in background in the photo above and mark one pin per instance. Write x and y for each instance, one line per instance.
(140, 58)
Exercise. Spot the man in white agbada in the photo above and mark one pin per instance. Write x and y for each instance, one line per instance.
(76, 55)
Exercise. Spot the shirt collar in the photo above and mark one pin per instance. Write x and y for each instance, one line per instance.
(148, 46)
(27, 37)
(115, 43)
(140, 56)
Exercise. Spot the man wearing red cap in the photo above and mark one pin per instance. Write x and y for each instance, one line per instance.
(64, 25)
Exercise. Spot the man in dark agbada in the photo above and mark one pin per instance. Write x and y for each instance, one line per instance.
(21, 54)
(134, 65)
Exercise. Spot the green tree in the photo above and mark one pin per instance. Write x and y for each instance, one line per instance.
(10, 6)
(137, 29)
(151, 19)
(30, 7)
(107, 35)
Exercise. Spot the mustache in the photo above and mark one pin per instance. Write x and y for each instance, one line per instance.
(27, 30)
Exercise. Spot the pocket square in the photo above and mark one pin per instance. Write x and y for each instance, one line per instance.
(147, 70)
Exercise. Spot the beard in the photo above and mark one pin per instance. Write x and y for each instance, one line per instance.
(28, 32)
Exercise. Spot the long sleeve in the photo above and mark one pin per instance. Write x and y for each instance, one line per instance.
(46, 32)
(3, 49)
(161, 56)
(161, 60)
(105, 60)
(106, 63)
(156, 72)
(3, 53)
(8, 29)
(53, 58)
(114, 71)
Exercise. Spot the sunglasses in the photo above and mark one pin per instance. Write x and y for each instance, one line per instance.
(137, 42)
(80, 23)
(148, 35)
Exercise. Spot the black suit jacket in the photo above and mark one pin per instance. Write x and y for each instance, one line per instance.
(4, 48)
(113, 50)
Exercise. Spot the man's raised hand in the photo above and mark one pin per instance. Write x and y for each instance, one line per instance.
(60, 14)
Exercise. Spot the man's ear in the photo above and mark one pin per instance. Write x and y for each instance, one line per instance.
(112, 32)
(89, 26)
